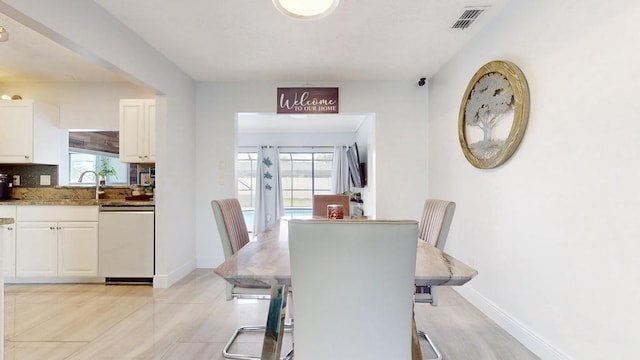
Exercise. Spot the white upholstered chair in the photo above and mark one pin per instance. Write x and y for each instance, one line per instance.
(353, 284)
(434, 229)
(234, 235)
(320, 203)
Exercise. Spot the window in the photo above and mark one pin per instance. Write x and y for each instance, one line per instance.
(304, 173)
(81, 161)
(247, 178)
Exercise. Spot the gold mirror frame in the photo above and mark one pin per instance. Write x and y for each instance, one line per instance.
(519, 104)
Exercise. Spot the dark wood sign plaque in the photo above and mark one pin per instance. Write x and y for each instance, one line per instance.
(317, 100)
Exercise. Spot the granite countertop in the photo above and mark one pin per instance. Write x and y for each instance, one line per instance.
(6, 221)
(79, 202)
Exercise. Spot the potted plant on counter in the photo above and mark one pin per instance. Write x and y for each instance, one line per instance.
(105, 170)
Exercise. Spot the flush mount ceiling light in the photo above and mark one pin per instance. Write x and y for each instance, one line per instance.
(306, 9)
(4, 35)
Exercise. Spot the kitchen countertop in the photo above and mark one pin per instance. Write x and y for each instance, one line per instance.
(79, 202)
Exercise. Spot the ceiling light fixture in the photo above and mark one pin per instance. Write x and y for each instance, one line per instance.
(4, 35)
(306, 9)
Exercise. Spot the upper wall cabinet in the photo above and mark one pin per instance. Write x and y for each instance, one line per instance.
(138, 130)
(29, 133)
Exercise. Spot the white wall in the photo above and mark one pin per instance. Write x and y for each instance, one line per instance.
(553, 232)
(295, 139)
(82, 105)
(84, 25)
(400, 109)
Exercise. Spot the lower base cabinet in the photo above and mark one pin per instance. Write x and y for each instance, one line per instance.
(78, 249)
(56, 248)
(8, 240)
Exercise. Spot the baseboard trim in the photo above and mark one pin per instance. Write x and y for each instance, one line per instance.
(166, 280)
(208, 262)
(537, 344)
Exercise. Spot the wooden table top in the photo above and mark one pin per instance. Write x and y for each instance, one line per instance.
(265, 262)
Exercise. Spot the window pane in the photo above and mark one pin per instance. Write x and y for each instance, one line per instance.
(80, 162)
(302, 173)
(246, 178)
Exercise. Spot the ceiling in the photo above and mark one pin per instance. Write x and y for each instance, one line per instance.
(29, 57)
(250, 40)
(235, 40)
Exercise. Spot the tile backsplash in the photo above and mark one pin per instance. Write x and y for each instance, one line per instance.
(30, 174)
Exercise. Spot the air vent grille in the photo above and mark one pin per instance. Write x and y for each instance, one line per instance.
(468, 17)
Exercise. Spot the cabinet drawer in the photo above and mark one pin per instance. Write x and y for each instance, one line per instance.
(8, 211)
(57, 213)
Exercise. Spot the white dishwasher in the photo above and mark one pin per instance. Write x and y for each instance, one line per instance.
(126, 242)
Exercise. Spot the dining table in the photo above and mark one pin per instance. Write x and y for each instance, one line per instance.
(264, 262)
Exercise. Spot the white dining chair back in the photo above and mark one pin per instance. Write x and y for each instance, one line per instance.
(434, 229)
(436, 221)
(234, 235)
(231, 225)
(336, 266)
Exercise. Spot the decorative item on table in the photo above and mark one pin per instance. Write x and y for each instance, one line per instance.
(137, 190)
(138, 193)
(335, 212)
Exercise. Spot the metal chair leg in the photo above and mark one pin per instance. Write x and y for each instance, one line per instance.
(276, 326)
(431, 345)
(248, 329)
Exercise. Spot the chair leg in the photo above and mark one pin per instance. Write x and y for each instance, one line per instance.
(225, 352)
(248, 329)
(431, 345)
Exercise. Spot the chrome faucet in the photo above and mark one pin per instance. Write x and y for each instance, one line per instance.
(97, 181)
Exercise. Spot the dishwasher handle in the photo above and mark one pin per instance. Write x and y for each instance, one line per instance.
(111, 208)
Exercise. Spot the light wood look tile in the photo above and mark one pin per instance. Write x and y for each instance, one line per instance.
(192, 320)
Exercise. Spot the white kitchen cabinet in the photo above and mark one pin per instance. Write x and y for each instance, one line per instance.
(78, 249)
(138, 130)
(37, 249)
(8, 240)
(57, 241)
(30, 133)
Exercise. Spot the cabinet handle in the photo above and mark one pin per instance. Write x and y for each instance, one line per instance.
(26, 156)
(51, 228)
(59, 228)
(9, 228)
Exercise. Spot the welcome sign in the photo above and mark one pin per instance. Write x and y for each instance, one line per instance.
(315, 100)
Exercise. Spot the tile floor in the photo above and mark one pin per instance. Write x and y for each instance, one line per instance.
(193, 320)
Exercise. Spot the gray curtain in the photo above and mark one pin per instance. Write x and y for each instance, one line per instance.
(269, 206)
(340, 172)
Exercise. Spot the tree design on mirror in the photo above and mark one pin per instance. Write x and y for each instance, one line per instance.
(493, 114)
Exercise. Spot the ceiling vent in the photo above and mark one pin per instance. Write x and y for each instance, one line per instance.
(468, 16)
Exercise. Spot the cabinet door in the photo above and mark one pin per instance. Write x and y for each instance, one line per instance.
(151, 131)
(36, 249)
(137, 130)
(8, 239)
(16, 137)
(78, 249)
(131, 131)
